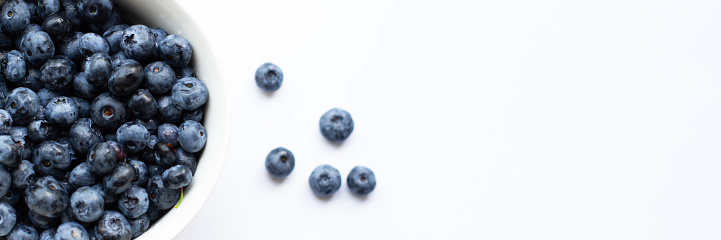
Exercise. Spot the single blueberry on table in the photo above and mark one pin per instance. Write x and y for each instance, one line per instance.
(46, 196)
(95, 10)
(268, 77)
(22, 232)
(13, 66)
(168, 133)
(120, 179)
(189, 93)
(39, 130)
(138, 42)
(113, 225)
(177, 176)
(92, 43)
(159, 78)
(142, 104)
(325, 180)
(15, 17)
(9, 152)
(192, 136)
(102, 158)
(8, 217)
(107, 111)
(23, 175)
(87, 204)
(280, 162)
(133, 136)
(38, 47)
(22, 104)
(175, 50)
(81, 176)
(57, 74)
(84, 134)
(62, 112)
(134, 202)
(98, 69)
(336, 125)
(139, 225)
(361, 180)
(113, 36)
(71, 231)
(126, 79)
(161, 196)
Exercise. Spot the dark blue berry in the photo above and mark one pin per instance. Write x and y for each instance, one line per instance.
(177, 176)
(138, 42)
(336, 125)
(192, 136)
(164, 154)
(84, 89)
(83, 106)
(113, 36)
(102, 158)
(175, 50)
(133, 136)
(32, 80)
(47, 197)
(81, 176)
(126, 79)
(92, 43)
(120, 179)
(71, 47)
(22, 104)
(48, 234)
(151, 124)
(9, 152)
(139, 225)
(167, 111)
(183, 72)
(50, 156)
(195, 115)
(142, 104)
(113, 225)
(84, 134)
(19, 37)
(40, 221)
(142, 176)
(168, 133)
(46, 8)
(95, 10)
(87, 204)
(6, 122)
(159, 78)
(62, 112)
(280, 162)
(98, 69)
(134, 202)
(15, 16)
(186, 159)
(325, 180)
(57, 74)
(189, 93)
(71, 231)
(5, 181)
(38, 47)
(23, 175)
(107, 111)
(22, 232)
(361, 180)
(268, 77)
(8, 217)
(160, 195)
(13, 66)
(58, 27)
(39, 130)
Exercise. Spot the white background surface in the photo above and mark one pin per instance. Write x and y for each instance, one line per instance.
(481, 119)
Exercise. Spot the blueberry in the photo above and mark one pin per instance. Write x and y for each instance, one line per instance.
(57, 74)
(134, 202)
(324, 180)
(19, 37)
(83, 106)
(133, 136)
(187, 159)
(114, 36)
(102, 158)
(81, 176)
(280, 162)
(22, 232)
(23, 175)
(95, 10)
(47, 197)
(98, 69)
(22, 104)
(5, 181)
(84, 134)
(62, 112)
(177, 176)
(168, 133)
(19, 134)
(189, 93)
(39, 130)
(361, 180)
(87, 204)
(48, 7)
(13, 196)
(107, 112)
(151, 124)
(45, 95)
(58, 27)
(101, 27)
(195, 115)
(38, 47)
(167, 111)
(154, 213)
(161, 196)
(6, 122)
(15, 17)
(109, 198)
(183, 72)
(154, 169)
(113, 225)
(164, 154)
(159, 35)
(9, 152)
(142, 104)
(13, 66)
(92, 43)
(159, 78)
(126, 79)
(7, 218)
(71, 12)
(138, 42)
(268, 77)
(83, 88)
(50, 155)
(6, 41)
(48, 234)
(71, 231)
(139, 225)
(336, 125)
(120, 179)
(71, 47)
(40, 221)
(141, 170)
(175, 50)
(32, 80)
(68, 215)
(192, 136)
(118, 58)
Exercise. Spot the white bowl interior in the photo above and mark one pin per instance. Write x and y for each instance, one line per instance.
(170, 17)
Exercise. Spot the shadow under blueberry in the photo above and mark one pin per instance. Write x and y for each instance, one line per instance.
(335, 144)
(324, 199)
(268, 94)
(361, 198)
(276, 180)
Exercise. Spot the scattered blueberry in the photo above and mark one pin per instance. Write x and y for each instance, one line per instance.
(269, 77)
(324, 180)
(336, 125)
(280, 162)
(361, 180)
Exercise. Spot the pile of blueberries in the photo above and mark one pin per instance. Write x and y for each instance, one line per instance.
(336, 125)
(100, 122)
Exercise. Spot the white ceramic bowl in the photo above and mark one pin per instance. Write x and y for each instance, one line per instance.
(166, 14)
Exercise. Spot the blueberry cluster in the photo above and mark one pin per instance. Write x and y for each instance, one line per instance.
(100, 121)
(336, 125)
